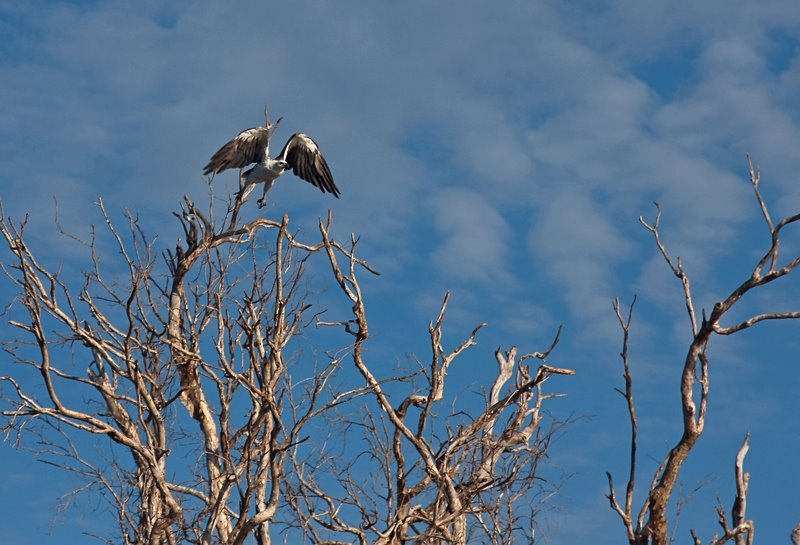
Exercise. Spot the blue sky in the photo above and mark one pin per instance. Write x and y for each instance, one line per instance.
(501, 150)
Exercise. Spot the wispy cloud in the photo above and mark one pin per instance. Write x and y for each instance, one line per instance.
(472, 237)
(495, 150)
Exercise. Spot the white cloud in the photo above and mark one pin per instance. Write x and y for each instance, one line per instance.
(474, 237)
(452, 132)
(578, 247)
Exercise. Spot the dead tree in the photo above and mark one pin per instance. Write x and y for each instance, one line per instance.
(426, 477)
(175, 384)
(164, 364)
(650, 523)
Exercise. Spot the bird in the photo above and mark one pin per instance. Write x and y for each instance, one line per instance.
(300, 154)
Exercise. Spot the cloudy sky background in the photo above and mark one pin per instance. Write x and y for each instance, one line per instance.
(501, 150)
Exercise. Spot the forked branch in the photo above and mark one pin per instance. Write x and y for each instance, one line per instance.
(447, 474)
(652, 524)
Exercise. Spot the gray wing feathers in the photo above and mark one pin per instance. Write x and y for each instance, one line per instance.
(247, 147)
(304, 158)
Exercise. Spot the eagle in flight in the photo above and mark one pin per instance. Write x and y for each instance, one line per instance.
(300, 155)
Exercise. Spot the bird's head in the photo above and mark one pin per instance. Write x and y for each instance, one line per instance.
(277, 166)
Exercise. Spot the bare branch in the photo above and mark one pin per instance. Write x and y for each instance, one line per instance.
(675, 267)
(652, 524)
(626, 512)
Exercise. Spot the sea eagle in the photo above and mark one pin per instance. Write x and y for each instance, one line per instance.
(300, 154)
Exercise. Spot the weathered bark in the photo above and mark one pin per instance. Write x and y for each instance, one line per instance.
(150, 342)
(652, 524)
(445, 480)
(215, 436)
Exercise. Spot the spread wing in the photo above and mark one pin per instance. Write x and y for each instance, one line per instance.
(247, 147)
(304, 158)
